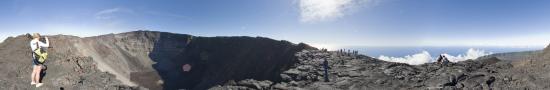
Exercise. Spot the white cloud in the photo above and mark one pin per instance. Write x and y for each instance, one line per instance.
(322, 10)
(416, 59)
(108, 13)
(425, 57)
(470, 54)
(2, 39)
(3, 36)
(114, 17)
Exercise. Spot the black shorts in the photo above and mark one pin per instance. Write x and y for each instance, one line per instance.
(35, 62)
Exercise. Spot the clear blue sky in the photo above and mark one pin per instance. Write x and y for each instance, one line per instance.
(319, 22)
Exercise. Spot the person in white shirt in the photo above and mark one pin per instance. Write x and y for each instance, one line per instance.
(37, 66)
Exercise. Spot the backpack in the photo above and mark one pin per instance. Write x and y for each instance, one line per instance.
(40, 54)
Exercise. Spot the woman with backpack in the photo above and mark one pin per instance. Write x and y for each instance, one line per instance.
(38, 57)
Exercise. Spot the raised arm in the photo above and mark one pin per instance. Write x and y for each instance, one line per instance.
(47, 44)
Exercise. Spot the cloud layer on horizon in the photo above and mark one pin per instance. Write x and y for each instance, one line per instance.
(425, 57)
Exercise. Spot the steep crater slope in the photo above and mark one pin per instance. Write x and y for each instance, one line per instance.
(215, 60)
(154, 60)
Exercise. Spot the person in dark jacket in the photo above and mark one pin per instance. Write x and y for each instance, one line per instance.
(325, 66)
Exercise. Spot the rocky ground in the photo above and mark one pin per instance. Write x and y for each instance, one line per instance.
(64, 71)
(357, 72)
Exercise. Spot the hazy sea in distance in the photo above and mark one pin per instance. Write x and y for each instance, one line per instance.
(433, 51)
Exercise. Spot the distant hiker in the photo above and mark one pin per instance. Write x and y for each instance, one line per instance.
(340, 52)
(348, 53)
(325, 66)
(442, 60)
(357, 54)
(38, 57)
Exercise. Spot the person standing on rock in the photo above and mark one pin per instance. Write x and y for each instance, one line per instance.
(325, 66)
(442, 60)
(37, 63)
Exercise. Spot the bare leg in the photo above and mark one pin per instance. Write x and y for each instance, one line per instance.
(38, 72)
(33, 74)
(37, 75)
